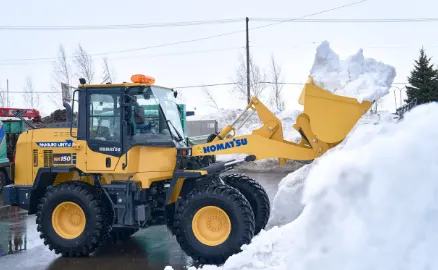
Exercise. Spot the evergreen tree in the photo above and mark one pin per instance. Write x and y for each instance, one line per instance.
(423, 81)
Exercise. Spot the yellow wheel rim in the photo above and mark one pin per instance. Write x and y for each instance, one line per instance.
(211, 225)
(68, 220)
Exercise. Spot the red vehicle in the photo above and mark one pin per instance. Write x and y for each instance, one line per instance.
(29, 113)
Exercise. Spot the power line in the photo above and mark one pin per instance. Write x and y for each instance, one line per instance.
(395, 20)
(186, 86)
(127, 50)
(312, 14)
(363, 47)
(114, 26)
(191, 40)
(18, 62)
(196, 23)
(205, 85)
(24, 61)
(234, 83)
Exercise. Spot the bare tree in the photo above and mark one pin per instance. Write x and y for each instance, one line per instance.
(108, 73)
(3, 98)
(31, 98)
(210, 99)
(256, 79)
(276, 98)
(84, 64)
(61, 74)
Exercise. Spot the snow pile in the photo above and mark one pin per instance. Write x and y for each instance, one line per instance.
(357, 77)
(287, 204)
(373, 205)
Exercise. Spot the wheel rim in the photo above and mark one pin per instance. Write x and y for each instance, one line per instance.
(211, 225)
(68, 220)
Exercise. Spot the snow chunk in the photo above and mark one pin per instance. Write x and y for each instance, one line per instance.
(366, 205)
(356, 77)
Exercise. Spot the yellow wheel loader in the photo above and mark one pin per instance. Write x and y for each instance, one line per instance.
(115, 169)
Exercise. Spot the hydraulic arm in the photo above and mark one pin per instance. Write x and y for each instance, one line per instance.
(326, 120)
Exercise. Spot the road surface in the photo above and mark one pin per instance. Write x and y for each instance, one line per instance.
(151, 248)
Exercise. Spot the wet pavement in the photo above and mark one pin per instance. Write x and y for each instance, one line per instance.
(151, 248)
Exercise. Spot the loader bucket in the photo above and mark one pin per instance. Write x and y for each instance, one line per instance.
(331, 116)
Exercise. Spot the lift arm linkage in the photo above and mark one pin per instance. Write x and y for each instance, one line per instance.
(267, 141)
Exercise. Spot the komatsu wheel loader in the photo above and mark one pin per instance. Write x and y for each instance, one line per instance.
(113, 171)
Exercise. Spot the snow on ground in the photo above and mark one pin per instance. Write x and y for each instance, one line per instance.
(357, 77)
(371, 205)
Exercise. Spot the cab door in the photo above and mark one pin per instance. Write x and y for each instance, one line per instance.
(104, 129)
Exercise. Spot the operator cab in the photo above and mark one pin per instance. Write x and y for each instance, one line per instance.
(113, 118)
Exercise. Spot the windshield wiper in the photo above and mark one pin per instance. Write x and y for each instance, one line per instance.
(180, 138)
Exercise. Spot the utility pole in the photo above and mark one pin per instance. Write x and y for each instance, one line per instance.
(248, 88)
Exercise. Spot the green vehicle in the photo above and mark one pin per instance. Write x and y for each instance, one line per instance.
(9, 132)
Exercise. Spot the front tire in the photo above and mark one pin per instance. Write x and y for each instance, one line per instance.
(70, 220)
(255, 194)
(212, 223)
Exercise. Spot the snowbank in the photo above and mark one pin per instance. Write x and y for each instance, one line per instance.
(357, 77)
(373, 205)
(287, 205)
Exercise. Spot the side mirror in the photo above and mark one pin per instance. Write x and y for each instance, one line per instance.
(127, 100)
(175, 94)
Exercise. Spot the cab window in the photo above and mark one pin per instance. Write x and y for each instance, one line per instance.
(104, 124)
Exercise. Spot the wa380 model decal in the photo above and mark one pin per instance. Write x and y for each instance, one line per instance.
(223, 146)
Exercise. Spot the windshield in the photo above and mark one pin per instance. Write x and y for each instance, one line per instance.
(170, 108)
(155, 115)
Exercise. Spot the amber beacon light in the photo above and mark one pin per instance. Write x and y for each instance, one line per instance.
(140, 78)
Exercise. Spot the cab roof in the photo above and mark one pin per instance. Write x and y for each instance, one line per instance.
(109, 85)
(136, 80)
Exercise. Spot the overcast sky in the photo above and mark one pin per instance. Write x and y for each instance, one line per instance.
(212, 60)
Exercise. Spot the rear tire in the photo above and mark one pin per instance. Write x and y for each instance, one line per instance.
(255, 194)
(59, 230)
(204, 234)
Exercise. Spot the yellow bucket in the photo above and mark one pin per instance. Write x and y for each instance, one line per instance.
(331, 116)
